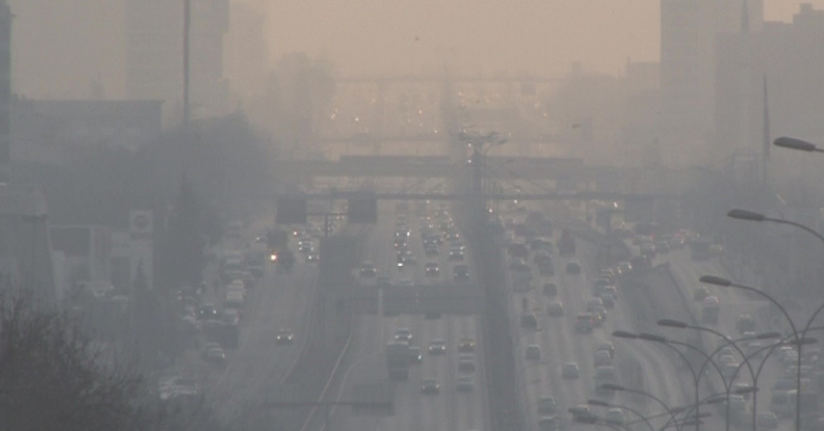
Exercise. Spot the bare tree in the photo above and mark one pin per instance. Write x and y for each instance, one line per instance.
(53, 377)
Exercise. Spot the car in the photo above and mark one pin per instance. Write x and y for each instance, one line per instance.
(207, 312)
(533, 352)
(456, 255)
(466, 345)
(626, 267)
(570, 370)
(546, 269)
(548, 423)
(555, 308)
(529, 321)
(593, 304)
(368, 270)
(215, 354)
(464, 384)
(573, 268)
(405, 282)
(437, 346)
(550, 289)
(403, 334)
(415, 353)
(431, 251)
(744, 323)
(615, 416)
(432, 269)
(430, 387)
(599, 315)
(599, 286)
(607, 347)
(581, 412)
(547, 406)
(409, 259)
(466, 362)
(609, 300)
(767, 420)
(284, 336)
(460, 273)
(602, 358)
(584, 323)
(230, 316)
(383, 281)
(609, 290)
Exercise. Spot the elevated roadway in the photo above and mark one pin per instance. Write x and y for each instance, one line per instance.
(565, 173)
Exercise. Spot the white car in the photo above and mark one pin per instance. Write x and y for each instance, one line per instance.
(570, 370)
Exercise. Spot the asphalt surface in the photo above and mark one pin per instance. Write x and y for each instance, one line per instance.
(639, 365)
(733, 302)
(258, 364)
(448, 410)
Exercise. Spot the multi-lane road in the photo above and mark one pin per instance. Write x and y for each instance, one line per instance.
(448, 410)
(282, 301)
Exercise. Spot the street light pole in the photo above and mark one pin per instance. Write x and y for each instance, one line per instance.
(671, 323)
(718, 281)
(619, 388)
(630, 409)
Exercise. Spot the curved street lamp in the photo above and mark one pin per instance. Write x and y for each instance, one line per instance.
(651, 337)
(619, 388)
(672, 323)
(799, 337)
(600, 403)
(796, 144)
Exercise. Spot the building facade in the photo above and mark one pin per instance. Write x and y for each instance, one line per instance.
(154, 54)
(783, 61)
(688, 51)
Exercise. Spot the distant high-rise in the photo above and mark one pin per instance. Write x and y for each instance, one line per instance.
(790, 56)
(689, 29)
(5, 91)
(154, 53)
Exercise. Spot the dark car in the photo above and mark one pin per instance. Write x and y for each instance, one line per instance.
(285, 336)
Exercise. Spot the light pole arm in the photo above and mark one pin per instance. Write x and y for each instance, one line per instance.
(772, 300)
(798, 225)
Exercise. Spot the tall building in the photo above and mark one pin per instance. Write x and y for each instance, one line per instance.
(247, 60)
(787, 58)
(154, 54)
(5, 91)
(688, 46)
(64, 49)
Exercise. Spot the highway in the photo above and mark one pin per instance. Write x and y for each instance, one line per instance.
(278, 300)
(733, 302)
(640, 365)
(448, 410)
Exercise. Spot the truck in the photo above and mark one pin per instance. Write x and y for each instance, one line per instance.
(398, 359)
(566, 245)
(277, 241)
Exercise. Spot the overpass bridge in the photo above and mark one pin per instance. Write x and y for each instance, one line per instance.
(567, 174)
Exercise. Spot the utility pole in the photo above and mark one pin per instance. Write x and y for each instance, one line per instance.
(187, 21)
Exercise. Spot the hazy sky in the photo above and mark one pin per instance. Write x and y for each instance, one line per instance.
(478, 36)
